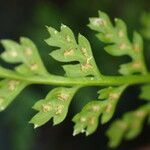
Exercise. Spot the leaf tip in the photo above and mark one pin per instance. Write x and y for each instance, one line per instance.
(35, 126)
(2, 108)
(75, 132)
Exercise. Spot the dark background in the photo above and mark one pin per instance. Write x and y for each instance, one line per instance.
(28, 18)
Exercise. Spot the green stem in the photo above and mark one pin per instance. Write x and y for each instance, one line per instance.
(82, 81)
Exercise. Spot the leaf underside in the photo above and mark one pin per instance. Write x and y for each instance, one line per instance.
(78, 60)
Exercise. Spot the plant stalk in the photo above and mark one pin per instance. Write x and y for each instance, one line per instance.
(50, 79)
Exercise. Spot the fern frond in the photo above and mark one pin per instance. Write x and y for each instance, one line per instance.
(119, 43)
(145, 22)
(9, 89)
(54, 105)
(129, 126)
(24, 53)
(145, 92)
(80, 70)
(71, 51)
(30, 64)
(87, 120)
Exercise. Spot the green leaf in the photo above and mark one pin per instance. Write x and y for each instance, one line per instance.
(136, 126)
(128, 127)
(87, 120)
(25, 53)
(116, 133)
(76, 71)
(119, 43)
(13, 51)
(71, 51)
(55, 106)
(31, 57)
(101, 23)
(80, 70)
(145, 22)
(145, 92)
(110, 97)
(30, 64)
(9, 89)
(130, 68)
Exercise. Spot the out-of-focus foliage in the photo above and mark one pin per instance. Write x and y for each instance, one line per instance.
(145, 21)
(129, 126)
(145, 94)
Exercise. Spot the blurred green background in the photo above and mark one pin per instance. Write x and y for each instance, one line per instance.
(28, 18)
